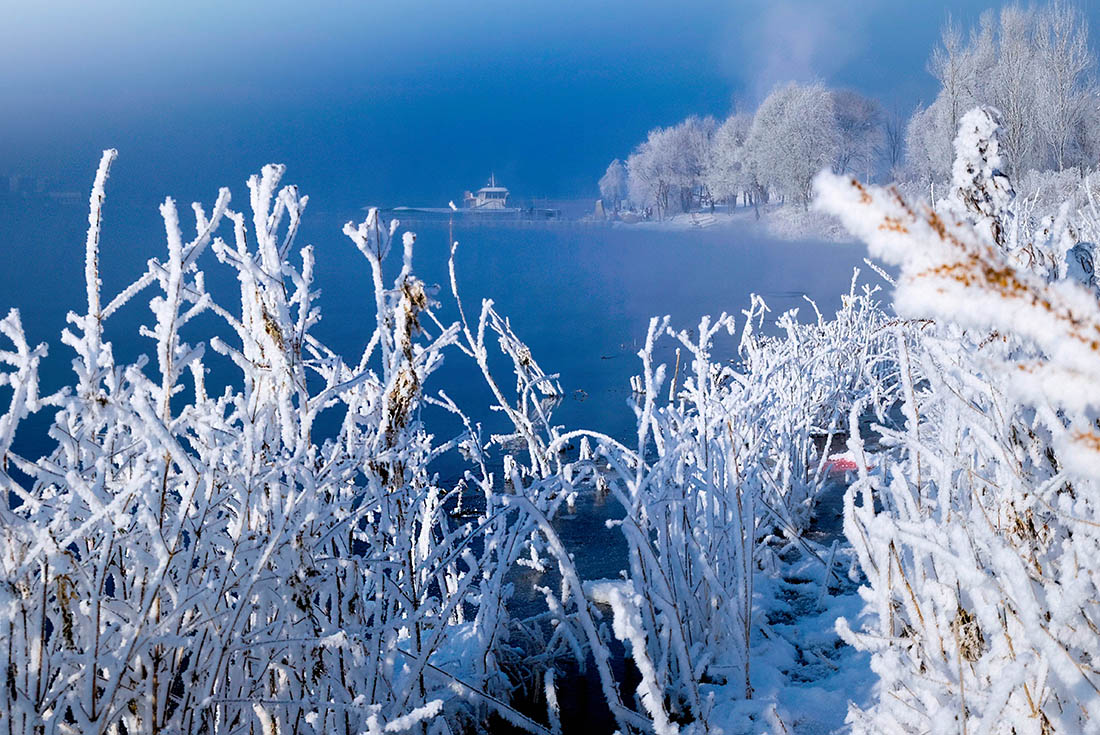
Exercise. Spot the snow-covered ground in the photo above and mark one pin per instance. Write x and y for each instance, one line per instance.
(789, 222)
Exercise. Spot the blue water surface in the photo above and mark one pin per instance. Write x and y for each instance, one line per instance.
(579, 295)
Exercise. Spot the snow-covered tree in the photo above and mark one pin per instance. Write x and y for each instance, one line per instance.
(667, 169)
(1061, 41)
(952, 64)
(1085, 148)
(649, 172)
(613, 185)
(1032, 64)
(892, 146)
(859, 122)
(931, 129)
(793, 136)
(691, 141)
(928, 153)
(724, 174)
(1011, 85)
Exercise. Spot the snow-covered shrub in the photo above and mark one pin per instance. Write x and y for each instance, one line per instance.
(720, 485)
(1055, 225)
(192, 561)
(976, 521)
(1048, 190)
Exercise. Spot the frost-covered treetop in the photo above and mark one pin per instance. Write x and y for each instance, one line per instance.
(979, 186)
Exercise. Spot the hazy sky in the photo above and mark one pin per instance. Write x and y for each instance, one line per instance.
(411, 102)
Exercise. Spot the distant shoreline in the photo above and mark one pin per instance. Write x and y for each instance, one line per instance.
(783, 222)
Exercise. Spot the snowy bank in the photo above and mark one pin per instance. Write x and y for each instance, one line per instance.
(791, 223)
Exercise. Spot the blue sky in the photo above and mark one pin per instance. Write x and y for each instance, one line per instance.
(412, 102)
